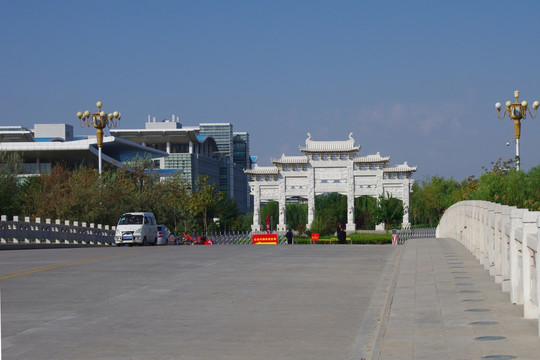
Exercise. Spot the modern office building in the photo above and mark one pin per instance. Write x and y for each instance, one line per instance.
(211, 149)
(50, 144)
(242, 161)
(187, 151)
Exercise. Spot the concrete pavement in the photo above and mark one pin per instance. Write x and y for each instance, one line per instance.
(446, 306)
(429, 299)
(194, 302)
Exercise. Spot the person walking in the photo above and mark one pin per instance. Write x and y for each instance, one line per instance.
(341, 234)
(289, 237)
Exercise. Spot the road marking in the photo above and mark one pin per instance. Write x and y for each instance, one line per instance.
(57, 266)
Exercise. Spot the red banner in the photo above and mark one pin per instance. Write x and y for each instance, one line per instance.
(265, 239)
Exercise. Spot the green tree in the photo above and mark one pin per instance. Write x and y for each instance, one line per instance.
(226, 210)
(331, 209)
(364, 212)
(297, 216)
(144, 180)
(433, 196)
(203, 198)
(270, 209)
(389, 211)
(10, 166)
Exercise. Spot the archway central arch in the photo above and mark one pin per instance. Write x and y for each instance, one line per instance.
(325, 167)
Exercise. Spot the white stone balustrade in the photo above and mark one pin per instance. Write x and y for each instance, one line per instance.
(505, 240)
(39, 232)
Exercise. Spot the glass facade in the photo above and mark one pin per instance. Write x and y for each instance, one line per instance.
(234, 158)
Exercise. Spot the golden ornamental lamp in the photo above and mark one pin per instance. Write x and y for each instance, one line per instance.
(517, 111)
(99, 120)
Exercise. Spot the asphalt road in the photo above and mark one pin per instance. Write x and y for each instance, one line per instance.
(195, 302)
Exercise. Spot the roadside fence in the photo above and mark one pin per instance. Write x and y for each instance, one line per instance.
(415, 233)
(236, 238)
(38, 232)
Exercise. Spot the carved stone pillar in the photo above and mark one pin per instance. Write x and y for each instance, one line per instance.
(351, 226)
(255, 191)
(282, 225)
(311, 196)
(405, 199)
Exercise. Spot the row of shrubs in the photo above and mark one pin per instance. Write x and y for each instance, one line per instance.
(356, 238)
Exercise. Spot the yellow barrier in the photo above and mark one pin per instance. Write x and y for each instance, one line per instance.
(331, 240)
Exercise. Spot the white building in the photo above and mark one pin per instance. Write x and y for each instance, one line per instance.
(325, 167)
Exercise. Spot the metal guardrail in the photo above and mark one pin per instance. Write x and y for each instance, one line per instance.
(236, 238)
(415, 233)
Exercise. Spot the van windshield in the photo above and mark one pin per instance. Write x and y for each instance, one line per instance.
(128, 219)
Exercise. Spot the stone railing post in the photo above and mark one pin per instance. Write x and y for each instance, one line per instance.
(516, 233)
(15, 226)
(536, 261)
(26, 229)
(497, 244)
(530, 227)
(72, 232)
(36, 230)
(49, 233)
(505, 253)
(3, 238)
(58, 229)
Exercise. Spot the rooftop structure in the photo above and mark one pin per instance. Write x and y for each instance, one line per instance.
(46, 146)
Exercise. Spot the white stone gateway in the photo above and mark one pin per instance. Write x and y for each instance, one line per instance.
(325, 167)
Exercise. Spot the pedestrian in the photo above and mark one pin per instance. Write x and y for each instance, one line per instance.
(289, 237)
(341, 234)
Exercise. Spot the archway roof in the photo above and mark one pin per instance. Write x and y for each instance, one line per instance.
(372, 158)
(330, 146)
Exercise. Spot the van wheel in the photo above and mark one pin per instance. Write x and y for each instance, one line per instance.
(144, 242)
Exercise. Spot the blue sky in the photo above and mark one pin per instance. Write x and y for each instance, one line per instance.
(413, 80)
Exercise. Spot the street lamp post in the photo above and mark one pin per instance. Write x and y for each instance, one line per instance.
(517, 111)
(99, 120)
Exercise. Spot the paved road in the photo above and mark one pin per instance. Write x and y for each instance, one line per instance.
(201, 302)
(429, 299)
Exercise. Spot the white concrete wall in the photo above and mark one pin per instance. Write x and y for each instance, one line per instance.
(505, 241)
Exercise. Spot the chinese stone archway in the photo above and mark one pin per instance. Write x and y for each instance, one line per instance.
(325, 167)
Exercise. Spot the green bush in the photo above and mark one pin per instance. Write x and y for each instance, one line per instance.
(357, 238)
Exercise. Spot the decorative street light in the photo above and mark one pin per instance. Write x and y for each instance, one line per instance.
(99, 120)
(517, 111)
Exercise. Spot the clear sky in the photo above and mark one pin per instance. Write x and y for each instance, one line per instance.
(413, 80)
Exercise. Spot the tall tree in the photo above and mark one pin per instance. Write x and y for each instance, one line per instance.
(10, 167)
(389, 211)
(204, 196)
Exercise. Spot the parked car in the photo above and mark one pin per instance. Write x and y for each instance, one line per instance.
(164, 235)
(136, 228)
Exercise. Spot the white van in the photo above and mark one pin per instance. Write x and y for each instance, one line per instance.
(136, 228)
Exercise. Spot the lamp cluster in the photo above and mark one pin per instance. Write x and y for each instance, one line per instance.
(99, 119)
(517, 110)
